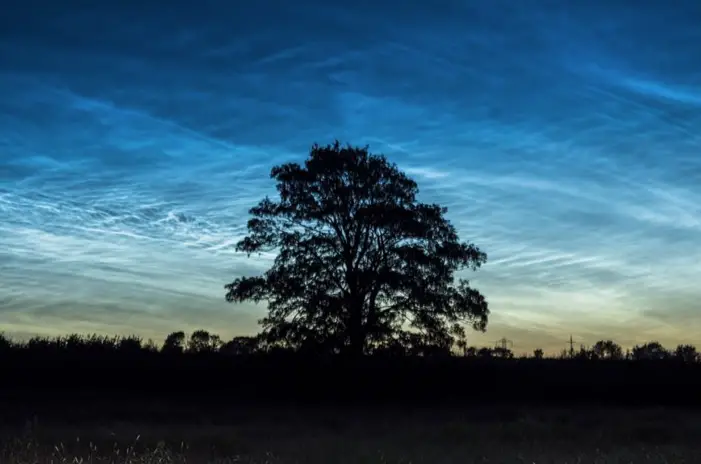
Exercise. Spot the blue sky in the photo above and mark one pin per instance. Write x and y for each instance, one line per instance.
(563, 137)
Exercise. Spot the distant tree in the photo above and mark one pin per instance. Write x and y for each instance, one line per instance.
(501, 352)
(360, 261)
(686, 353)
(584, 353)
(130, 344)
(242, 346)
(650, 351)
(41, 345)
(201, 341)
(435, 351)
(73, 343)
(174, 343)
(150, 346)
(471, 351)
(395, 349)
(416, 345)
(538, 353)
(485, 352)
(461, 346)
(5, 343)
(607, 349)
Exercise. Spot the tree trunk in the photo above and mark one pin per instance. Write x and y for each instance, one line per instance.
(357, 335)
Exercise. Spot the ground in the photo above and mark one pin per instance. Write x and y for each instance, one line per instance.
(420, 436)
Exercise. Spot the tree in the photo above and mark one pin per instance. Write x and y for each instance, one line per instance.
(607, 349)
(502, 352)
(130, 345)
(538, 353)
(360, 261)
(583, 354)
(649, 351)
(686, 353)
(241, 346)
(5, 343)
(150, 346)
(461, 346)
(174, 343)
(201, 341)
(471, 352)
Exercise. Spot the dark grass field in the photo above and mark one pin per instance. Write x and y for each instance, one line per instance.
(199, 409)
(314, 435)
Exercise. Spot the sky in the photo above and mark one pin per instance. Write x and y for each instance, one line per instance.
(562, 136)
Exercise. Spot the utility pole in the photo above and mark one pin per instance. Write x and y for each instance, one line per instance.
(571, 347)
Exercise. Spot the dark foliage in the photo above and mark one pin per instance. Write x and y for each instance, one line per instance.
(361, 265)
(64, 373)
(607, 349)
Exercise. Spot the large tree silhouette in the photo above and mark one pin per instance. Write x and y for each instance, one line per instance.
(361, 263)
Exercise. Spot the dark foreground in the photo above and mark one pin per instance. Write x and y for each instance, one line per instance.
(314, 435)
(199, 409)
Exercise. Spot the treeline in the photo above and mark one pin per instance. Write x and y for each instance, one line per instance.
(209, 374)
(204, 342)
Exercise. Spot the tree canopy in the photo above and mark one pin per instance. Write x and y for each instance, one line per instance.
(361, 265)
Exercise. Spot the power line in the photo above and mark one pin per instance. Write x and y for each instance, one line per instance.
(504, 343)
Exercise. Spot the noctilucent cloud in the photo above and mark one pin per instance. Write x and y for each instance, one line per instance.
(564, 137)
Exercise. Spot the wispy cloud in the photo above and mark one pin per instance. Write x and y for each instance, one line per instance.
(128, 162)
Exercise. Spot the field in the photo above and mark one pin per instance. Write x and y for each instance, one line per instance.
(312, 435)
(66, 406)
